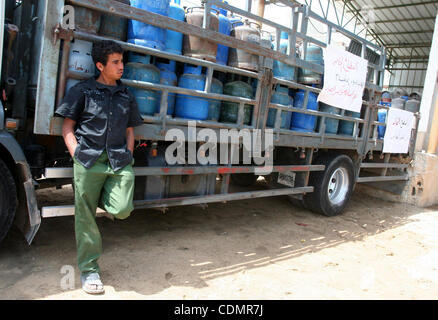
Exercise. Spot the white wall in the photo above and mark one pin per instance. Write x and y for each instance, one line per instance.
(411, 80)
(429, 87)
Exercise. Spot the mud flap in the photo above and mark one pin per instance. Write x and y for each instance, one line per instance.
(27, 217)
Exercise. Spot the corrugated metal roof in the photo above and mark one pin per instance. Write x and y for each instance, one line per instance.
(404, 27)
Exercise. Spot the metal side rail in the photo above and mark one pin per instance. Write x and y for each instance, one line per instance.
(58, 173)
(59, 211)
(383, 177)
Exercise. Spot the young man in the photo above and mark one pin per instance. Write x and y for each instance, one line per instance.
(99, 119)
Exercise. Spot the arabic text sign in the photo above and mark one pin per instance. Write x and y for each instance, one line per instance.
(344, 79)
(399, 126)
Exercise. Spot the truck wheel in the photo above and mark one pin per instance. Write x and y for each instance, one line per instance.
(8, 199)
(333, 187)
(244, 179)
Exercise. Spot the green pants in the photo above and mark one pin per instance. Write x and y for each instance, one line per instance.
(113, 191)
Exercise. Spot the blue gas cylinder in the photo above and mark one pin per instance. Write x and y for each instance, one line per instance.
(381, 117)
(300, 121)
(331, 125)
(347, 127)
(224, 28)
(214, 106)
(191, 107)
(139, 57)
(230, 110)
(280, 96)
(174, 40)
(114, 27)
(168, 78)
(144, 34)
(235, 21)
(386, 97)
(314, 55)
(282, 70)
(147, 100)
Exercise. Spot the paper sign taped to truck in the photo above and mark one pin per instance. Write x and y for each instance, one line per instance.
(344, 79)
(399, 126)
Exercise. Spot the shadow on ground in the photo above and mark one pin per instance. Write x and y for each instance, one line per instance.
(188, 246)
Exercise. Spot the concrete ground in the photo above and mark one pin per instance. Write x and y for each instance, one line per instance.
(249, 249)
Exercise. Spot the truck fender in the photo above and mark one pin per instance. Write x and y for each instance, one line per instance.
(27, 216)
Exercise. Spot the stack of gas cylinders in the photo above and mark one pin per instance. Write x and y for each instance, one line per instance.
(150, 69)
(397, 99)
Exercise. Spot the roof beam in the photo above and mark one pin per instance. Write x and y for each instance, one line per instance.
(401, 5)
(404, 32)
(403, 20)
(408, 45)
(404, 69)
(399, 58)
(406, 5)
(356, 13)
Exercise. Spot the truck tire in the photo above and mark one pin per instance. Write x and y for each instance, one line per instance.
(244, 179)
(333, 187)
(8, 199)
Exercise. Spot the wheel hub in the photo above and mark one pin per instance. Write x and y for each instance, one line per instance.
(338, 186)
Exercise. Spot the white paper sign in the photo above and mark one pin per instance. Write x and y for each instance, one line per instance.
(399, 126)
(344, 79)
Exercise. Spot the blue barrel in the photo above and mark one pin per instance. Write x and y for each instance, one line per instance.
(314, 55)
(347, 127)
(144, 34)
(224, 28)
(214, 106)
(280, 96)
(147, 100)
(174, 40)
(300, 121)
(282, 70)
(168, 78)
(331, 125)
(191, 107)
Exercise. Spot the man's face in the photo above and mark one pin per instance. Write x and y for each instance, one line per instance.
(114, 67)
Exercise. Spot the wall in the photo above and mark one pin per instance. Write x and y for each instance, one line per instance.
(429, 92)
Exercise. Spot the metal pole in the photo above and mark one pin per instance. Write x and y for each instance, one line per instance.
(261, 10)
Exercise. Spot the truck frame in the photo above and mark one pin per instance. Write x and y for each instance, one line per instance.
(321, 163)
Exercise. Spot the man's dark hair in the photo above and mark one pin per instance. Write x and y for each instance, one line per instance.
(102, 50)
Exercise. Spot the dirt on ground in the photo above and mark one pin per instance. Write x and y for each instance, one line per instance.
(250, 249)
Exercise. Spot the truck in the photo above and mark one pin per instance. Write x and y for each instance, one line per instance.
(316, 169)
